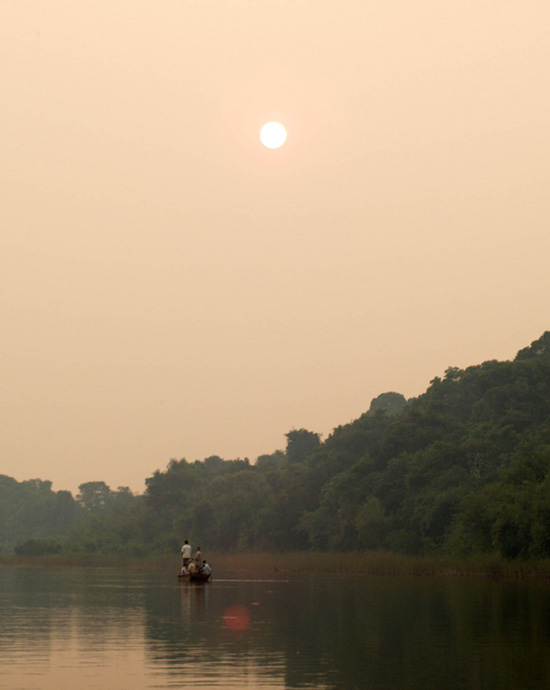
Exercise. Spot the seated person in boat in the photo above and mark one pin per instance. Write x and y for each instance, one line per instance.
(206, 569)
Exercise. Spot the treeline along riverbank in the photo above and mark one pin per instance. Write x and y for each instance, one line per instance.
(461, 471)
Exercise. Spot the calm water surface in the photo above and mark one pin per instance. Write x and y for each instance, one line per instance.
(117, 630)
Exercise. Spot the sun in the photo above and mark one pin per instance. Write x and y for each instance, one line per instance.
(273, 135)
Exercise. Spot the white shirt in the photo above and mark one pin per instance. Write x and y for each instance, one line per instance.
(186, 551)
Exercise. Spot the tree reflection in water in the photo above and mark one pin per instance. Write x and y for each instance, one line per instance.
(114, 629)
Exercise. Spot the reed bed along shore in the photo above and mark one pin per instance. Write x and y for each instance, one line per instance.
(381, 563)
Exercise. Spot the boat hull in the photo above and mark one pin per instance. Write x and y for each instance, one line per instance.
(195, 577)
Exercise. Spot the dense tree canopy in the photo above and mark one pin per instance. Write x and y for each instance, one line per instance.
(463, 468)
(31, 509)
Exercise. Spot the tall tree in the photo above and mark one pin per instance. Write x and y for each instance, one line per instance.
(301, 443)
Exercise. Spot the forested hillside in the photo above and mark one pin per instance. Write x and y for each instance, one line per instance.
(463, 468)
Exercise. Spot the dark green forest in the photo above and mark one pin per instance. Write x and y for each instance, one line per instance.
(464, 469)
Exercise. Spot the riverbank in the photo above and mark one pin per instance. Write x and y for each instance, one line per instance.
(383, 563)
(368, 563)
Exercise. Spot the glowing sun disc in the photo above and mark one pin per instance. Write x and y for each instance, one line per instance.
(273, 135)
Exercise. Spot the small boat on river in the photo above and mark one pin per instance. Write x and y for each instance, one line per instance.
(197, 576)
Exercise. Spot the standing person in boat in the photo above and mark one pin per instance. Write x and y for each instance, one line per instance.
(197, 558)
(185, 554)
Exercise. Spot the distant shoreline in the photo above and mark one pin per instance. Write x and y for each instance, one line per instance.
(368, 563)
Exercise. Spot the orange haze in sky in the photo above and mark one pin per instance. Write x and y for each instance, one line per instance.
(171, 288)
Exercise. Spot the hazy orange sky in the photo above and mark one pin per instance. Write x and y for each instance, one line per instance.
(171, 288)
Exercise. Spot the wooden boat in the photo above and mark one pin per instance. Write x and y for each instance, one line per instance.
(200, 577)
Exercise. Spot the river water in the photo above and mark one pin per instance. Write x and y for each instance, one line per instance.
(115, 630)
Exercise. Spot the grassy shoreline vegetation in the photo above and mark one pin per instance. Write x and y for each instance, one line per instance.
(376, 563)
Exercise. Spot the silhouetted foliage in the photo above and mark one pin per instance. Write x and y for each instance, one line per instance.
(301, 443)
(390, 403)
(30, 509)
(463, 468)
(37, 547)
